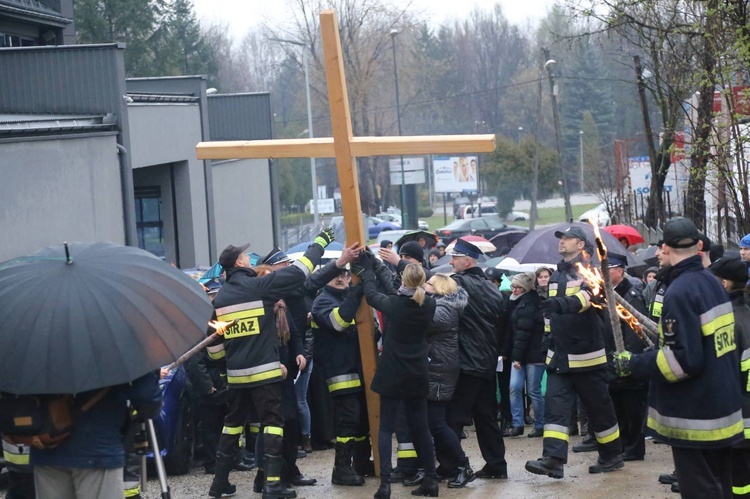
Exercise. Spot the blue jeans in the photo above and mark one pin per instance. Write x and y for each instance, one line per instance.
(532, 375)
(300, 387)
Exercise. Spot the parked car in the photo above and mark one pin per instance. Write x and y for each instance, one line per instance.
(396, 219)
(473, 211)
(599, 214)
(486, 227)
(422, 225)
(517, 216)
(376, 225)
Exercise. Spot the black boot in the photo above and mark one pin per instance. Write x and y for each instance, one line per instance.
(362, 463)
(343, 472)
(416, 479)
(550, 466)
(260, 479)
(274, 488)
(384, 491)
(220, 487)
(429, 488)
(465, 475)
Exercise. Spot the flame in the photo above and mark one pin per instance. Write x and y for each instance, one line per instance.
(220, 326)
(601, 248)
(630, 320)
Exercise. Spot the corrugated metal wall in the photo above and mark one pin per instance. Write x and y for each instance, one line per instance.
(73, 79)
(240, 116)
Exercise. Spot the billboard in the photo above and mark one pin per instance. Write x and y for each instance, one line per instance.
(413, 171)
(455, 173)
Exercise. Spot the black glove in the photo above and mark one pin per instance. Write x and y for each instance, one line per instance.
(325, 237)
(550, 306)
(367, 260)
(357, 269)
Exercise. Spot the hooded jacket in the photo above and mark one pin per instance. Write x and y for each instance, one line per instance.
(442, 338)
(528, 330)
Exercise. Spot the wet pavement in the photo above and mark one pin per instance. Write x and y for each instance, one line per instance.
(637, 480)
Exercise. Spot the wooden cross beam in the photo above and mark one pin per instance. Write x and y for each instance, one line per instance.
(346, 148)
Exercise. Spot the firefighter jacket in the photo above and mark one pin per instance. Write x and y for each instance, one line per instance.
(575, 337)
(16, 456)
(335, 337)
(656, 302)
(742, 337)
(695, 399)
(251, 346)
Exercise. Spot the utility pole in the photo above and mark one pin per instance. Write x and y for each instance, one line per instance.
(394, 34)
(549, 65)
(580, 140)
(535, 171)
(655, 208)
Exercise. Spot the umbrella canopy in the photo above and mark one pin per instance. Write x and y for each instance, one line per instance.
(483, 244)
(508, 238)
(413, 235)
(540, 246)
(626, 232)
(102, 316)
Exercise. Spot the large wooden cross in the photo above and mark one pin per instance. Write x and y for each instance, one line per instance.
(346, 148)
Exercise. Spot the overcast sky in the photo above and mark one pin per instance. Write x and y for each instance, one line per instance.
(241, 15)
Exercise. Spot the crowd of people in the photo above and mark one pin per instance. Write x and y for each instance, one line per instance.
(286, 376)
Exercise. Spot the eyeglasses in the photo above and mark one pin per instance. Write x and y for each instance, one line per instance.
(513, 286)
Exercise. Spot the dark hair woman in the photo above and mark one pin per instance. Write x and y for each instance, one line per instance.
(401, 375)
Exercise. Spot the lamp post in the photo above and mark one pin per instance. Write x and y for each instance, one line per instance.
(580, 140)
(313, 173)
(394, 34)
(520, 131)
(553, 90)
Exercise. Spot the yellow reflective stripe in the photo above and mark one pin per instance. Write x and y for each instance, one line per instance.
(745, 360)
(583, 297)
(273, 478)
(669, 366)
(338, 323)
(19, 459)
(572, 291)
(254, 374)
(232, 430)
(406, 454)
(607, 436)
(360, 439)
(747, 433)
(255, 428)
(305, 265)
(239, 307)
(556, 431)
(343, 382)
(216, 352)
(696, 430)
(587, 359)
(740, 491)
(274, 430)
(721, 316)
(133, 491)
(343, 440)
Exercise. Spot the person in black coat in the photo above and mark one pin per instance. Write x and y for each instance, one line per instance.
(402, 373)
(442, 338)
(527, 355)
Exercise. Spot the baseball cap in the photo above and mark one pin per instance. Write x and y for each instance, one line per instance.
(678, 229)
(706, 242)
(275, 256)
(493, 274)
(465, 248)
(413, 250)
(576, 232)
(732, 269)
(230, 254)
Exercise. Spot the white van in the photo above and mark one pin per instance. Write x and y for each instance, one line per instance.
(470, 211)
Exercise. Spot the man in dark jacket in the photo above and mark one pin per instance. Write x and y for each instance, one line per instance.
(576, 365)
(89, 462)
(478, 334)
(628, 394)
(251, 349)
(695, 400)
(732, 273)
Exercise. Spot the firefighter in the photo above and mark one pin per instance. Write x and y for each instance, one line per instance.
(20, 472)
(254, 372)
(695, 401)
(576, 365)
(732, 273)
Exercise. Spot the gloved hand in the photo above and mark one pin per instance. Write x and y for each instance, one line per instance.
(367, 260)
(622, 363)
(357, 269)
(325, 237)
(550, 306)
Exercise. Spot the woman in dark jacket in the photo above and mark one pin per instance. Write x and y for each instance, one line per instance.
(442, 337)
(401, 375)
(528, 355)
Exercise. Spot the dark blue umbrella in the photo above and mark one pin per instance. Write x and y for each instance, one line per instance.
(540, 246)
(301, 247)
(87, 315)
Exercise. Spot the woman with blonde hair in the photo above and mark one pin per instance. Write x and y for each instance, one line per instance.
(402, 373)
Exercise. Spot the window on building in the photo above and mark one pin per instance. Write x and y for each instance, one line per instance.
(148, 220)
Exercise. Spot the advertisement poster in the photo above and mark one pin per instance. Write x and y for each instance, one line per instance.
(455, 173)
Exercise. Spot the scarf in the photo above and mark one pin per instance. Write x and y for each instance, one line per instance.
(282, 325)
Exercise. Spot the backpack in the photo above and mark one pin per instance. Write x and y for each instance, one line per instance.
(41, 421)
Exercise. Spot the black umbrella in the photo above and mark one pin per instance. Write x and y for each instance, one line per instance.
(87, 315)
(507, 239)
(541, 245)
(413, 235)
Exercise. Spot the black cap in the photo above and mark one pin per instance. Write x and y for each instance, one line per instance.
(731, 269)
(493, 274)
(716, 252)
(617, 261)
(230, 255)
(385, 242)
(275, 256)
(576, 232)
(412, 249)
(679, 229)
(706, 242)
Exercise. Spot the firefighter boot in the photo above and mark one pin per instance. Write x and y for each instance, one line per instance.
(363, 465)
(221, 487)
(343, 472)
(274, 488)
(550, 466)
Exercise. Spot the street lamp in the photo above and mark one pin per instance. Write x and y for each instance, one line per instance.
(313, 173)
(580, 140)
(520, 131)
(394, 34)
(549, 66)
